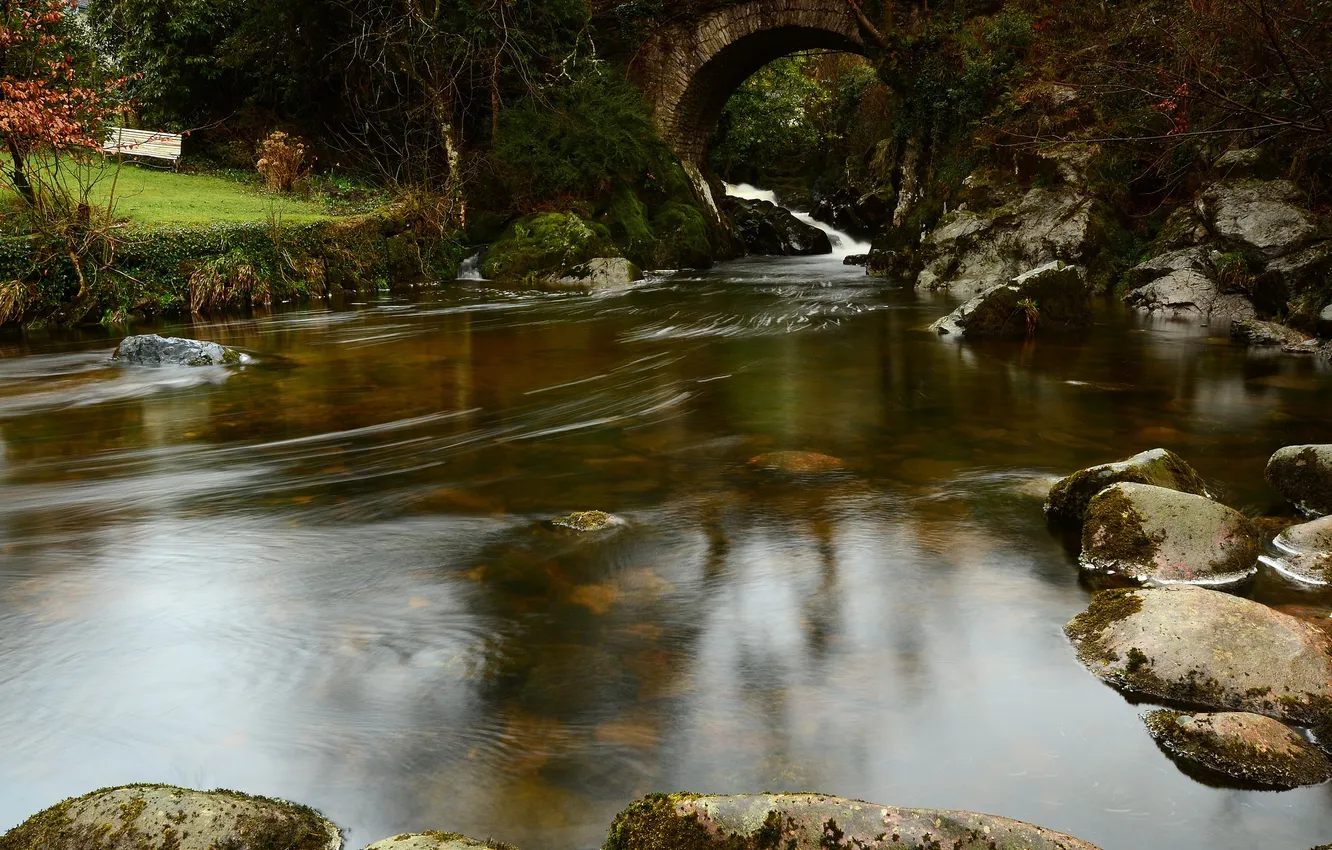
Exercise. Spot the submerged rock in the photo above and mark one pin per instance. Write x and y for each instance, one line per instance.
(1194, 646)
(1053, 297)
(161, 817)
(600, 274)
(795, 463)
(154, 350)
(1245, 747)
(1306, 552)
(1256, 332)
(588, 521)
(1303, 476)
(436, 841)
(1158, 535)
(814, 822)
(768, 229)
(1067, 502)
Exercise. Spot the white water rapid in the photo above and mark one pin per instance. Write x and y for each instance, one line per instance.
(844, 244)
(470, 268)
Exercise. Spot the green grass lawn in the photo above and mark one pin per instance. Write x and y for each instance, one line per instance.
(154, 197)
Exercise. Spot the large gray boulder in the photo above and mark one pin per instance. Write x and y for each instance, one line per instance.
(436, 841)
(1155, 535)
(154, 350)
(1246, 747)
(1306, 552)
(1187, 292)
(1067, 502)
(971, 251)
(768, 229)
(1054, 297)
(1258, 332)
(162, 817)
(1193, 646)
(1266, 217)
(1303, 476)
(600, 274)
(815, 822)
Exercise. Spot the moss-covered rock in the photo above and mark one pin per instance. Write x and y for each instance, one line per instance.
(1194, 646)
(1306, 552)
(588, 521)
(436, 841)
(162, 817)
(1303, 476)
(1052, 298)
(815, 822)
(626, 219)
(545, 246)
(683, 238)
(1158, 535)
(602, 274)
(1067, 502)
(154, 350)
(1246, 747)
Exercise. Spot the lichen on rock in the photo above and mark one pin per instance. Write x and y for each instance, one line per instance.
(436, 841)
(1245, 747)
(1068, 499)
(1303, 475)
(587, 521)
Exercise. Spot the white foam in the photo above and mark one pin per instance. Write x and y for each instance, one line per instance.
(843, 244)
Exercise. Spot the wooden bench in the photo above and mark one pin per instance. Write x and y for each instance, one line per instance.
(147, 143)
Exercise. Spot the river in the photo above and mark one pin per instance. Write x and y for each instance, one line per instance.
(326, 575)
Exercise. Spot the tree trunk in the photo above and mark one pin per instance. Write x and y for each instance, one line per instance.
(20, 173)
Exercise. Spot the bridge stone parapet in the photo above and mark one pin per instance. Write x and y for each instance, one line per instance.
(690, 67)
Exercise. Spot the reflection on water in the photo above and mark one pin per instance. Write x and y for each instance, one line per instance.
(326, 576)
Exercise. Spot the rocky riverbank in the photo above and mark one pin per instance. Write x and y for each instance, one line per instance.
(1170, 633)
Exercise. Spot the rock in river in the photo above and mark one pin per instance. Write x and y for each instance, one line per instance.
(588, 521)
(1246, 747)
(1306, 552)
(154, 350)
(600, 274)
(161, 817)
(815, 822)
(1303, 475)
(1052, 297)
(1158, 535)
(436, 841)
(795, 463)
(1068, 499)
(766, 228)
(1195, 646)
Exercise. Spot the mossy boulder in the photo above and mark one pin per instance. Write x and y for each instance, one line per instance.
(162, 817)
(1157, 535)
(1196, 647)
(683, 238)
(1246, 747)
(588, 521)
(1052, 298)
(545, 246)
(1306, 552)
(626, 219)
(1303, 476)
(154, 350)
(436, 841)
(602, 274)
(795, 463)
(815, 822)
(1067, 502)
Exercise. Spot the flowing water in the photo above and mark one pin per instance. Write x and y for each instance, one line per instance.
(326, 576)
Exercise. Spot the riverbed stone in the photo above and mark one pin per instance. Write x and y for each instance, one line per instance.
(154, 350)
(1243, 746)
(1184, 292)
(1306, 552)
(163, 817)
(1257, 332)
(796, 463)
(1197, 647)
(815, 822)
(1068, 499)
(1303, 476)
(1053, 297)
(1162, 536)
(768, 229)
(1266, 217)
(588, 521)
(436, 841)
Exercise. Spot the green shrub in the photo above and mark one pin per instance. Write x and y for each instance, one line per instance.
(546, 245)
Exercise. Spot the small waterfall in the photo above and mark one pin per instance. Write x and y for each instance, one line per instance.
(470, 269)
(844, 244)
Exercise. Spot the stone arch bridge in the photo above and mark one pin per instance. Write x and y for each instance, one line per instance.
(690, 67)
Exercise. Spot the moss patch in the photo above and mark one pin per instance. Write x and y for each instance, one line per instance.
(1107, 608)
(1194, 740)
(683, 238)
(1115, 538)
(1068, 499)
(546, 245)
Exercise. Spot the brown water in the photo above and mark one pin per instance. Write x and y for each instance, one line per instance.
(325, 576)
